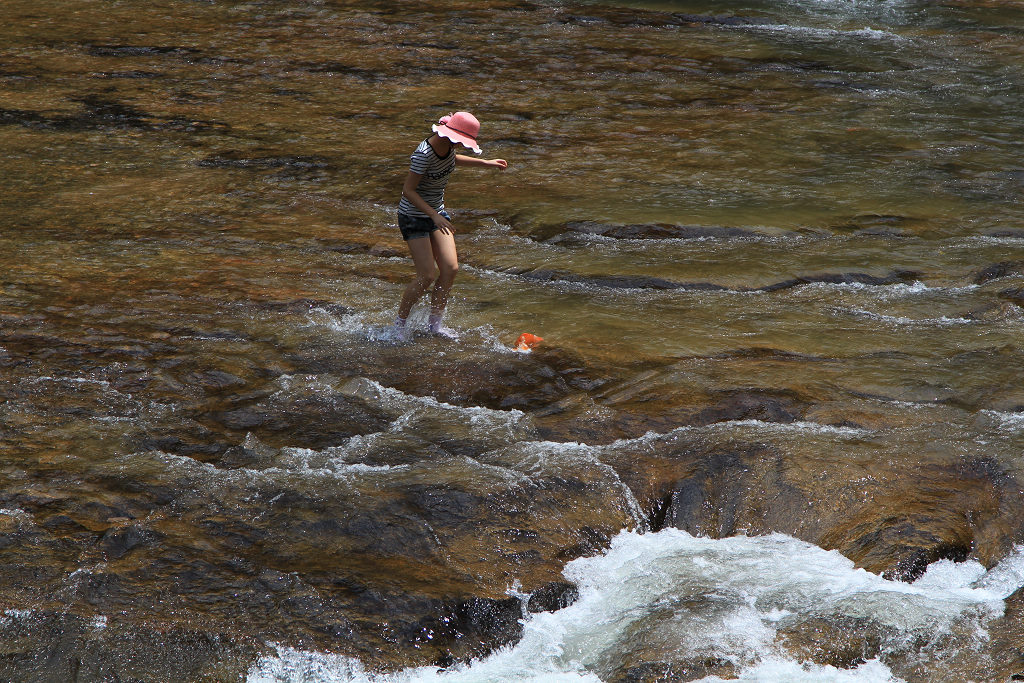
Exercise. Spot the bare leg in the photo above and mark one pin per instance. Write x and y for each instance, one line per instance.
(447, 260)
(423, 257)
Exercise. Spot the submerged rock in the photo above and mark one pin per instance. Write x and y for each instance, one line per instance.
(310, 419)
(889, 523)
(882, 225)
(118, 542)
(692, 669)
(238, 160)
(841, 641)
(503, 382)
(98, 113)
(652, 650)
(1006, 642)
(894, 277)
(657, 283)
(996, 271)
(54, 645)
(1014, 294)
(655, 231)
(553, 596)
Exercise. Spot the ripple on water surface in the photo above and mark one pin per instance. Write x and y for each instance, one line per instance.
(774, 249)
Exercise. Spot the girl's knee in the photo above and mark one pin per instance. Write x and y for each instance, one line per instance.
(449, 270)
(422, 281)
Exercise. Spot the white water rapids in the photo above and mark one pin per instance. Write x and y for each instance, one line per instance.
(700, 598)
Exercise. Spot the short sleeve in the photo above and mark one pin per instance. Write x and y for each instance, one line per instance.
(418, 162)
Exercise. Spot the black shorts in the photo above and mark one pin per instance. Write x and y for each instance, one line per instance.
(417, 226)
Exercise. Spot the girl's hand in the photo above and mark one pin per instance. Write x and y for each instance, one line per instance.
(499, 163)
(443, 224)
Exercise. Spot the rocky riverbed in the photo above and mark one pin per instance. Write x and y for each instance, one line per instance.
(775, 256)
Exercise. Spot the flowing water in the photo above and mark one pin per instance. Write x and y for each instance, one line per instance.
(709, 599)
(776, 253)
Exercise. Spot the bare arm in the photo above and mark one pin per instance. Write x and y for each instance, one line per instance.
(412, 181)
(461, 160)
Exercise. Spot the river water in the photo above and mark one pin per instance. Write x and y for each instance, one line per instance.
(775, 251)
(714, 599)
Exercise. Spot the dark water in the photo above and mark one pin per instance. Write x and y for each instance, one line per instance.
(776, 251)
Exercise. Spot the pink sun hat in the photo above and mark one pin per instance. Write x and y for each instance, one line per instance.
(461, 127)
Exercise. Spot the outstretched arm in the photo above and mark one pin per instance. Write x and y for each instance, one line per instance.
(461, 160)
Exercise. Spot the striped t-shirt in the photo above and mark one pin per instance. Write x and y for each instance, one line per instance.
(435, 171)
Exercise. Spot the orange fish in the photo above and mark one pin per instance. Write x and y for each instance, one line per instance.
(527, 341)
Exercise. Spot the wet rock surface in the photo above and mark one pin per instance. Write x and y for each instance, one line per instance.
(57, 646)
(669, 672)
(1007, 633)
(552, 596)
(342, 499)
(842, 642)
(896, 528)
(210, 444)
(424, 524)
(648, 231)
(657, 283)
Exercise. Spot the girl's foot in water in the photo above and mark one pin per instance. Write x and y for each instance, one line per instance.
(436, 328)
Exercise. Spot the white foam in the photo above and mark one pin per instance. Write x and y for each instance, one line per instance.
(796, 427)
(18, 613)
(1008, 240)
(292, 463)
(298, 666)
(896, 290)
(774, 572)
(1005, 578)
(327, 462)
(799, 426)
(699, 597)
(752, 235)
(1010, 421)
(515, 423)
(360, 326)
(74, 380)
(309, 667)
(778, 670)
(917, 290)
(942, 321)
(865, 33)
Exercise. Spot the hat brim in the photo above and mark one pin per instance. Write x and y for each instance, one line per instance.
(455, 136)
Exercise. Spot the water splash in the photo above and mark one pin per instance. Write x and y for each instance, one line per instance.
(688, 597)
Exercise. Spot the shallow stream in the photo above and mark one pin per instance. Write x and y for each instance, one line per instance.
(776, 254)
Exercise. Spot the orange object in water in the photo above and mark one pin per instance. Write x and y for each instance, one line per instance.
(527, 341)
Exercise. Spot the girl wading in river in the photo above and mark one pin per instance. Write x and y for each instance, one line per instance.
(426, 226)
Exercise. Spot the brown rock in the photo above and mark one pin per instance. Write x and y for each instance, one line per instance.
(553, 596)
(676, 671)
(890, 523)
(60, 646)
(650, 650)
(1006, 645)
(840, 641)
(997, 270)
